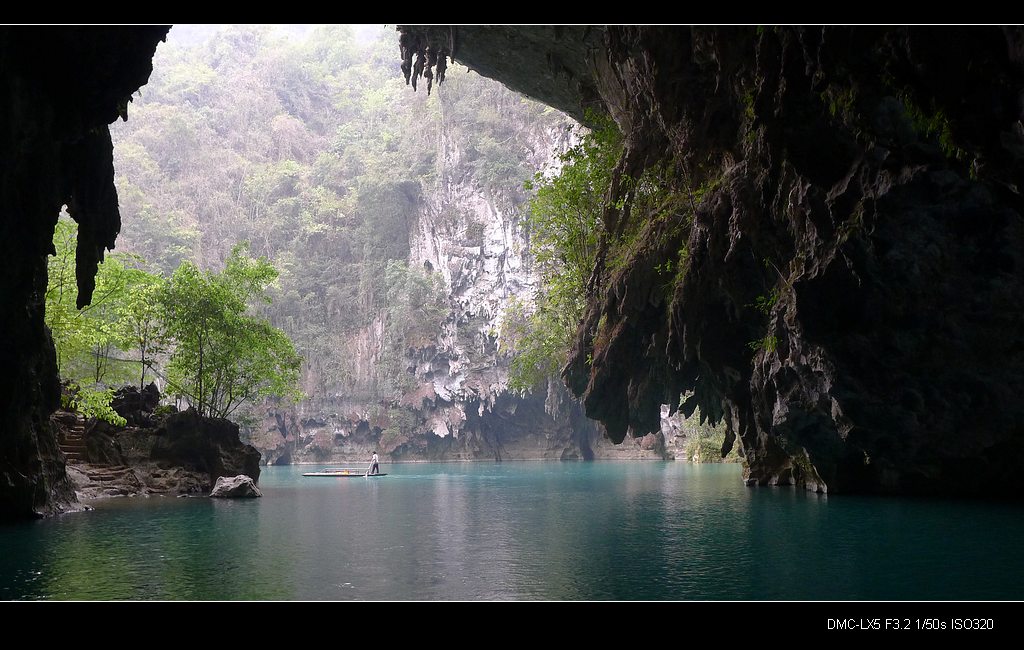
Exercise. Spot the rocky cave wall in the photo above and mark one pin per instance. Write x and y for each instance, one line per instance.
(851, 301)
(59, 88)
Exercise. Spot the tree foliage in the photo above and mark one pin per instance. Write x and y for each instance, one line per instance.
(140, 317)
(90, 342)
(565, 225)
(194, 330)
(223, 357)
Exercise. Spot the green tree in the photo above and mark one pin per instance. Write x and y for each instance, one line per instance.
(62, 317)
(140, 319)
(89, 341)
(85, 339)
(224, 357)
(103, 332)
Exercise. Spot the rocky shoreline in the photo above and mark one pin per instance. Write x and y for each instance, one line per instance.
(162, 452)
(169, 453)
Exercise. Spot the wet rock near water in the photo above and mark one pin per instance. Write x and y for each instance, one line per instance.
(209, 445)
(103, 481)
(235, 487)
(544, 425)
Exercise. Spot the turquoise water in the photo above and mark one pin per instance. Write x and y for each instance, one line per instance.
(542, 530)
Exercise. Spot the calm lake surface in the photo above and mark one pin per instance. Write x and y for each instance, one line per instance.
(541, 530)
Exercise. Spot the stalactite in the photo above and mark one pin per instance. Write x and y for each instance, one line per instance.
(414, 42)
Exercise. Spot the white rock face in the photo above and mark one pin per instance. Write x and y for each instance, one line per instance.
(483, 256)
(473, 237)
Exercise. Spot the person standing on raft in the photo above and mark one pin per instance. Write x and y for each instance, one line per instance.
(374, 465)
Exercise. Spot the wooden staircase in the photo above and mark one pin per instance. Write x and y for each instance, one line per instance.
(72, 443)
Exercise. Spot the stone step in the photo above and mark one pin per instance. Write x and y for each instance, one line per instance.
(108, 479)
(73, 447)
(100, 468)
(102, 473)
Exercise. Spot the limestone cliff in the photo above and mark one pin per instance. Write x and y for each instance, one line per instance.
(454, 402)
(398, 227)
(850, 302)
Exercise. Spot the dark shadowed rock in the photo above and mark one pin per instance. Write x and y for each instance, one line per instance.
(59, 88)
(136, 406)
(185, 454)
(102, 443)
(196, 443)
(235, 487)
(850, 303)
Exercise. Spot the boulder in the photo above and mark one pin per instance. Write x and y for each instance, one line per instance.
(235, 487)
(137, 406)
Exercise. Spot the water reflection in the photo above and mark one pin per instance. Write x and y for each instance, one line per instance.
(519, 531)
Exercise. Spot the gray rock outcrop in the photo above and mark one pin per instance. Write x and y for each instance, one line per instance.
(235, 487)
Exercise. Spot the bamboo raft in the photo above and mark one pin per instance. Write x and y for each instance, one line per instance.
(344, 472)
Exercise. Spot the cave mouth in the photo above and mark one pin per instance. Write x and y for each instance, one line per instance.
(907, 206)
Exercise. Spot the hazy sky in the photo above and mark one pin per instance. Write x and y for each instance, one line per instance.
(194, 34)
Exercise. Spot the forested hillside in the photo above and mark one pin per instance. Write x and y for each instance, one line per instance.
(397, 221)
